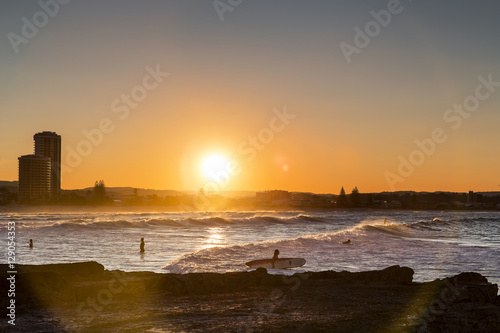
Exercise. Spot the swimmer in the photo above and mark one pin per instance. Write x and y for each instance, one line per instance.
(142, 245)
(275, 257)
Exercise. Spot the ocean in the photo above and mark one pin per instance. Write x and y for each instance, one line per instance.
(435, 244)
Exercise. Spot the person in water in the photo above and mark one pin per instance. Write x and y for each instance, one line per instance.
(347, 242)
(31, 244)
(275, 257)
(142, 245)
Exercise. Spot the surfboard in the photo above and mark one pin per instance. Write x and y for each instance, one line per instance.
(279, 263)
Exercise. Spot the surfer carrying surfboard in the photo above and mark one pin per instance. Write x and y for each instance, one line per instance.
(275, 257)
(275, 262)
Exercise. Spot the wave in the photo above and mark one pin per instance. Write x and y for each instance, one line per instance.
(399, 230)
(310, 218)
(364, 236)
(369, 238)
(434, 225)
(185, 222)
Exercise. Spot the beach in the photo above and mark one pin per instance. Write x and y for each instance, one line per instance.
(84, 297)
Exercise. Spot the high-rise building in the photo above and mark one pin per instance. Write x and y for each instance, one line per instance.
(48, 144)
(40, 173)
(34, 177)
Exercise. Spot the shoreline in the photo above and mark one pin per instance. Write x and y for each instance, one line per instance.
(29, 209)
(86, 297)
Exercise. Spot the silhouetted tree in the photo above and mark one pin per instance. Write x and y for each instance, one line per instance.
(355, 198)
(342, 198)
(99, 191)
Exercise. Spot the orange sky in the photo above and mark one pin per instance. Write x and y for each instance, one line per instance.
(229, 84)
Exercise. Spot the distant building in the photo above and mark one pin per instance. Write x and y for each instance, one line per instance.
(471, 197)
(48, 144)
(272, 196)
(34, 177)
(40, 173)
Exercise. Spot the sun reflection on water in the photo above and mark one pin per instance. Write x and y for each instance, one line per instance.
(215, 237)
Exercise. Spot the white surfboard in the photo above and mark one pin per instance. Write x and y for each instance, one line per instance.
(279, 263)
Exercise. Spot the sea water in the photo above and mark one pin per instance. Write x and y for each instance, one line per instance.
(435, 244)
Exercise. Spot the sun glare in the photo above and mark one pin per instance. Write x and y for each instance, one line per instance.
(213, 165)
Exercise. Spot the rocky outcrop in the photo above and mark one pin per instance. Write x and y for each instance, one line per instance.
(74, 282)
(464, 303)
(394, 274)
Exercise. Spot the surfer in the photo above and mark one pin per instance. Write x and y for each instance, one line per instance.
(142, 245)
(275, 257)
(31, 244)
(347, 242)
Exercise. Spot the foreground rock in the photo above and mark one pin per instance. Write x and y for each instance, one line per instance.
(86, 297)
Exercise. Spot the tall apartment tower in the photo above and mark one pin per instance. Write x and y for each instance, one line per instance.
(34, 178)
(48, 144)
(40, 173)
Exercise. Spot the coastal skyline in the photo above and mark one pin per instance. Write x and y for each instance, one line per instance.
(299, 96)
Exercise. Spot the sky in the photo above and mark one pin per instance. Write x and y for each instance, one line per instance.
(293, 95)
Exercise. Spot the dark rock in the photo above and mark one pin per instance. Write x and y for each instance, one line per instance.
(464, 303)
(82, 269)
(393, 274)
(469, 287)
(261, 270)
(170, 284)
(469, 277)
(468, 317)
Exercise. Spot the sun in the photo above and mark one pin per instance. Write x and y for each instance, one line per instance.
(213, 165)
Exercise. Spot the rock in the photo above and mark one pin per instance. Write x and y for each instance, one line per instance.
(261, 270)
(469, 278)
(465, 303)
(393, 274)
(467, 317)
(469, 287)
(80, 269)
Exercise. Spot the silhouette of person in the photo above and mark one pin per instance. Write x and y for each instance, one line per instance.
(275, 257)
(142, 245)
(347, 242)
(31, 244)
